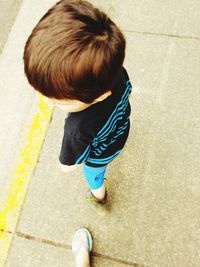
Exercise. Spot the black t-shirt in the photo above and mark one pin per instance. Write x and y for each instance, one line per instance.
(96, 135)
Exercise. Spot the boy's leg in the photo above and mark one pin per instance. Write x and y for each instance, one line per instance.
(95, 179)
(99, 193)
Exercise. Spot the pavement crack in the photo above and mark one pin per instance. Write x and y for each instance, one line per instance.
(118, 260)
(42, 240)
(68, 247)
(164, 34)
(6, 231)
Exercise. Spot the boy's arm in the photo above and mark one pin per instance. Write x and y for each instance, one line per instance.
(75, 150)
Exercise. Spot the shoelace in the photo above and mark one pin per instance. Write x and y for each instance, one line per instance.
(92, 197)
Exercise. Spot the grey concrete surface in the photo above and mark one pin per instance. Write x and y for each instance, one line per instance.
(154, 184)
(10, 121)
(8, 12)
(17, 99)
(180, 17)
(34, 253)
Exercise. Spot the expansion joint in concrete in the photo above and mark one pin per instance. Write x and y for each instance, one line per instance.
(6, 231)
(164, 34)
(68, 247)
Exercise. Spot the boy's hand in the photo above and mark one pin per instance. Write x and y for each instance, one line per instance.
(66, 168)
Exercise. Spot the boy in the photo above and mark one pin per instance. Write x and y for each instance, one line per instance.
(74, 57)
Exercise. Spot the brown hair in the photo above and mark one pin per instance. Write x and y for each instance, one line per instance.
(74, 52)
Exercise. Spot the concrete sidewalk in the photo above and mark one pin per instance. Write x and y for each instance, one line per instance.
(154, 184)
(9, 9)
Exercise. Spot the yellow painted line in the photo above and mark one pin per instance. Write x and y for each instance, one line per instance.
(18, 180)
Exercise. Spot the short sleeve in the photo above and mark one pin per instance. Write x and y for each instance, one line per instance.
(75, 148)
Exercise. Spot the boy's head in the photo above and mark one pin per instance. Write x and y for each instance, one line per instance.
(74, 54)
